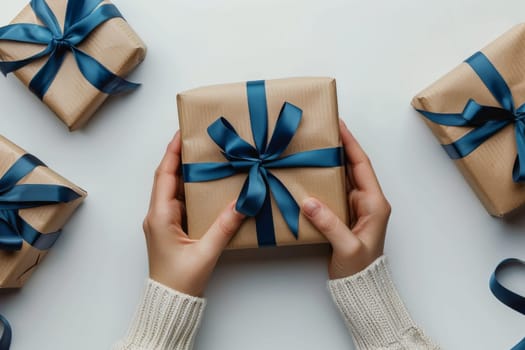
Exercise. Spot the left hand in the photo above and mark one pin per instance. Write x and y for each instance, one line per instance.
(175, 260)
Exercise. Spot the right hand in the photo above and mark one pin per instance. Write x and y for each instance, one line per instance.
(357, 246)
(175, 260)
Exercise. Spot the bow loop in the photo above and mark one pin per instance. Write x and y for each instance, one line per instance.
(285, 129)
(30, 33)
(48, 18)
(477, 115)
(233, 146)
(80, 30)
(77, 10)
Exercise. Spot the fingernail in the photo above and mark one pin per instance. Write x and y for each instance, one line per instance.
(234, 209)
(311, 206)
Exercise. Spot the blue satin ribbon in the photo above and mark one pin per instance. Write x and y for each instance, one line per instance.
(254, 199)
(486, 120)
(13, 228)
(506, 296)
(5, 338)
(82, 18)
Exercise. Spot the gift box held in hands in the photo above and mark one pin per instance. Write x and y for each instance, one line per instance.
(477, 113)
(71, 54)
(35, 203)
(268, 144)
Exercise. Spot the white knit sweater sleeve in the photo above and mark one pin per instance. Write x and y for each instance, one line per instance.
(374, 313)
(165, 320)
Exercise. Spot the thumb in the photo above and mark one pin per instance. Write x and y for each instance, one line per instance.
(222, 230)
(329, 224)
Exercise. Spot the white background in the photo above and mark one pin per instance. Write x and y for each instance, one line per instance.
(442, 245)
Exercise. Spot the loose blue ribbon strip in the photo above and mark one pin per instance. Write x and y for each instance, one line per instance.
(5, 337)
(14, 230)
(506, 296)
(486, 120)
(82, 18)
(254, 199)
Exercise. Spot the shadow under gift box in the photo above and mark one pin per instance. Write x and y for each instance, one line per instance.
(74, 100)
(318, 129)
(488, 169)
(17, 266)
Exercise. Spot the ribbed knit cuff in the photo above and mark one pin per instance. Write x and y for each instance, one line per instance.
(165, 319)
(374, 312)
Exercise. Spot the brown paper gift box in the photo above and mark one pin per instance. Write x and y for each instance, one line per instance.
(488, 169)
(319, 128)
(16, 267)
(74, 100)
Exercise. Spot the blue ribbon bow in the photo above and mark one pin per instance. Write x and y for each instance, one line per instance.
(486, 120)
(5, 337)
(82, 18)
(13, 229)
(254, 199)
(506, 296)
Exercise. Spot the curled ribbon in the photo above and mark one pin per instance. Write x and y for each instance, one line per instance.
(82, 18)
(506, 296)
(5, 336)
(13, 229)
(486, 120)
(254, 198)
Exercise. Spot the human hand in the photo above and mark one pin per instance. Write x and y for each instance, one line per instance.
(175, 260)
(357, 246)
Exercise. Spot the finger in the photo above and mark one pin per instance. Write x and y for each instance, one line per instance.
(371, 217)
(222, 231)
(179, 192)
(352, 208)
(337, 233)
(166, 181)
(363, 174)
(371, 230)
(350, 183)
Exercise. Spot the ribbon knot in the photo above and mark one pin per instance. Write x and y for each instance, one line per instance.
(13, 229)
(258, 161)
(486, 120)
(61, 44)
(82, 18)
(518, 116)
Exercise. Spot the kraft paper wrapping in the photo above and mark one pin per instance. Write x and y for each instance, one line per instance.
(319, 128)
(488, 169)
(71, 96)
(16, 267)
